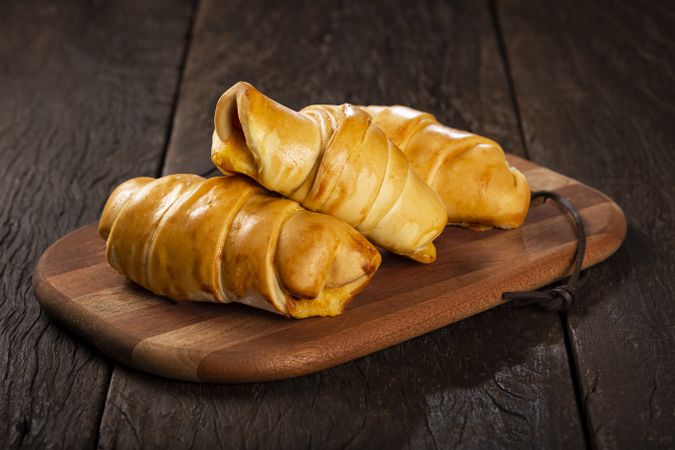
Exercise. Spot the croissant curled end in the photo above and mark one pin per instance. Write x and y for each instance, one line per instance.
(336, 263)
(263, 139)
(229, 151)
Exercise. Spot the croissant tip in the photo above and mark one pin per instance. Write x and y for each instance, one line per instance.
(424, 255)
(243, 83)
(370, 266)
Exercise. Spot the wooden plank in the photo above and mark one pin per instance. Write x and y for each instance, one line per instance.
(86, 93)
(500, 379)
(327, 53)
(218, 343)
(595, 84)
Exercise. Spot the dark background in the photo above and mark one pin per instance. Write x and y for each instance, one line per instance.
(94, 92)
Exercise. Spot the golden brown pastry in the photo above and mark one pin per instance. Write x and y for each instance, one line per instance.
(469, 172)
(331, 160)
(226, 239)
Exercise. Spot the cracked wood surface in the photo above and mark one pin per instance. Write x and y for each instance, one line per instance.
(499, 380)
(595, 82)
(86, 93)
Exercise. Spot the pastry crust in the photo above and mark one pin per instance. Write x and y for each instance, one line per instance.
(469, 172)
(333, 160)
(226, 239)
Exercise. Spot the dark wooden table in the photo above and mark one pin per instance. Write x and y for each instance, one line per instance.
(94, 92)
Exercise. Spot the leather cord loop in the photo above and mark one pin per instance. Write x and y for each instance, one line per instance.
(561, 297)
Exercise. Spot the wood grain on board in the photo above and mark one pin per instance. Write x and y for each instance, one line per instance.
(595, 83)
(86, 90)
(235, 343)
(505, 370)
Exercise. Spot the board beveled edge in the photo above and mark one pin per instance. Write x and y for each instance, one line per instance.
(229, 367)
(76, 318)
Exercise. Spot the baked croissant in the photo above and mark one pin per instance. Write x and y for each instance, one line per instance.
(469, 172)
(226, 239)
(334, 161)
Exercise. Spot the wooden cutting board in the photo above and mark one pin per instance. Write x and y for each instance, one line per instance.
(235, 343)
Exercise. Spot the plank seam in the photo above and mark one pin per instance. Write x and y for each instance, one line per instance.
(507, 72)
(569, 348)
(167, 139)
(178, 87)
(576, 383)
